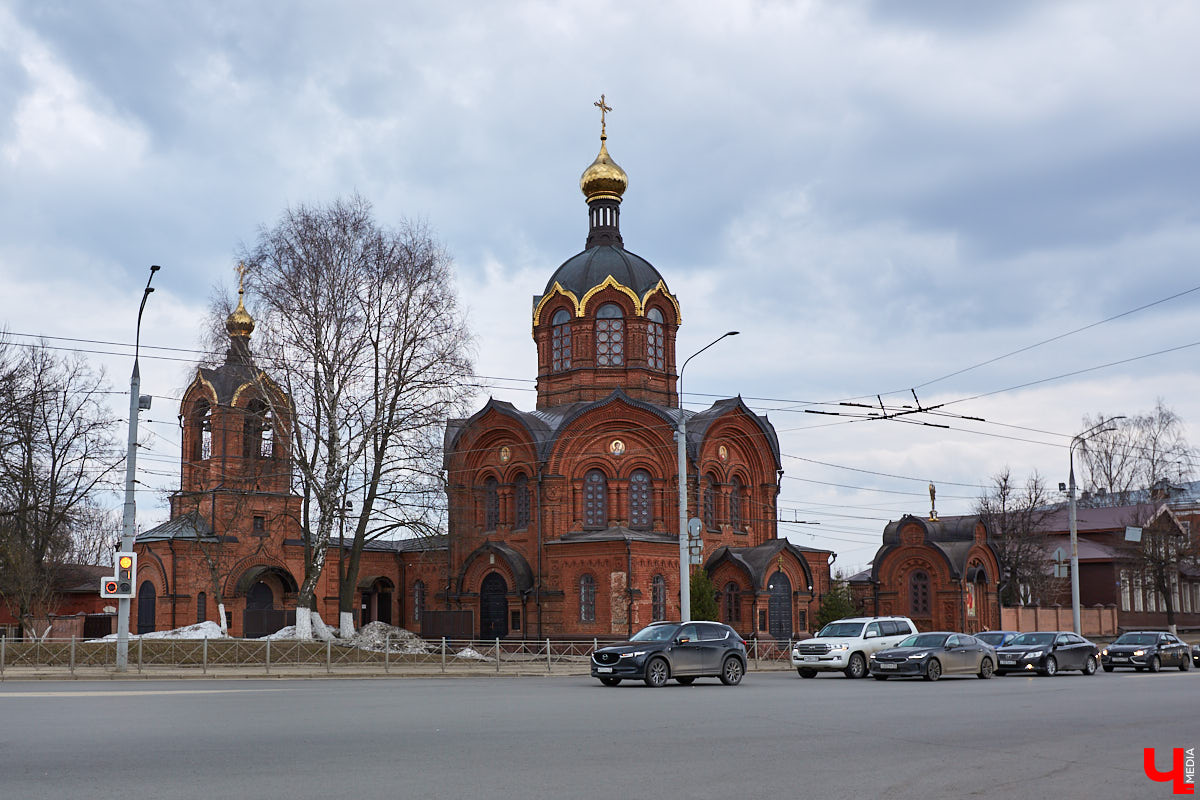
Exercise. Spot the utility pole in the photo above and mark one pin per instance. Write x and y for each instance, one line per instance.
(1079, 439)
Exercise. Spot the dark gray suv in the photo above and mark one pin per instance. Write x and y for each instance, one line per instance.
(683, 651)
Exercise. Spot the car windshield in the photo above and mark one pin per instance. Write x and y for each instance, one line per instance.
(655, 633)
(1033, 638)
(991, 638)
(1137, 638)
(925, 640)
(841, 629)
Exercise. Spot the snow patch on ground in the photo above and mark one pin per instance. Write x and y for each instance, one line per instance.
(378, 636)
(472, 654)
(201, 630)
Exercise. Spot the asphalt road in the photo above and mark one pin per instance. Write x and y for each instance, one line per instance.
(773, 736)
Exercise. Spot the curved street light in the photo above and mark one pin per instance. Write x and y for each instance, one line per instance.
(1076, 441)
(685, 589)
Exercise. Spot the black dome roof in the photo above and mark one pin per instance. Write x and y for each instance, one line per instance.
(588, 269)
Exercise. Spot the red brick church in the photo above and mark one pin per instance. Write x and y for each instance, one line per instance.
(562, 520)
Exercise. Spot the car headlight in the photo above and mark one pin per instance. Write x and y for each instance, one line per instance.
(1139, 652)
(1034, 654)
(918, 655)
(840, 647)
(1104, 652)
(638, 654)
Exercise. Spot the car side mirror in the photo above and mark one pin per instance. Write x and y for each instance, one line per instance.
(682, 640)
(949, 646)
(871, 634)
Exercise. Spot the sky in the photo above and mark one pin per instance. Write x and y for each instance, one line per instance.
(883, 198)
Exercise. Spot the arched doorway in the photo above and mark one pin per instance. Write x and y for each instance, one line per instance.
(376, 603)
(779, 606)
(146, 605)
(493, 607)
(260, 617)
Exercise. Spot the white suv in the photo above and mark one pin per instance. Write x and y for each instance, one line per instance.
(846, 645)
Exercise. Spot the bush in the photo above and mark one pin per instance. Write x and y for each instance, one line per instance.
(704, 597)
(836, 604)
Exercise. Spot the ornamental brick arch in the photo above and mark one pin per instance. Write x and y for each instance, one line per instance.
(644, 433)
(480, 443)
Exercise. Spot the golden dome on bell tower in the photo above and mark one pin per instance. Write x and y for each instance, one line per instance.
(603, 179)
(240, 323)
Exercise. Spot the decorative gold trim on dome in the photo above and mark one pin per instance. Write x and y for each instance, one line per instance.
(203, 382)
(580, 305)
(261, 381)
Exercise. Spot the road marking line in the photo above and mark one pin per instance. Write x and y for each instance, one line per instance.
(135, 692)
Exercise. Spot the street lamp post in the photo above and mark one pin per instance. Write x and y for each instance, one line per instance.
(685, 589)
(130, 512)
(1076, 440)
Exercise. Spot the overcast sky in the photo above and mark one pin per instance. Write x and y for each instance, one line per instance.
(877, 195)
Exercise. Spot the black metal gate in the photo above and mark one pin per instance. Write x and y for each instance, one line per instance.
(493, 607)
(779, 607)
(261, 618)
(146, 605)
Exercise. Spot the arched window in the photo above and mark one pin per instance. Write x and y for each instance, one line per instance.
(655, 350)
(595, 500)
(587, 598)
(201, 607)
(521, 498)
(491, 504)
(640, 515)
(418, 600)
(918, 594)
(735, 505)
(560, 340)
(202, 420)
(610, 336)
(732, 604)
(658, 599)
(710, 503)
(258, 431)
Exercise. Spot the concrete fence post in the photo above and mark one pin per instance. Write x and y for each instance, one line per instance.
(204, 657)
(548, 667)
(72, 655)
(443, 654)
(139, 655)
(387, 651)
(497, 654)
(268, 656)
(328, 656)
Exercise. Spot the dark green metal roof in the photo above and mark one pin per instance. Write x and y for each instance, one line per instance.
(588, 269)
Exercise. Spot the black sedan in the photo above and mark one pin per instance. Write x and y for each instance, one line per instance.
(666, 650)
(932, 655)
(1150, 650)
(1047, 653)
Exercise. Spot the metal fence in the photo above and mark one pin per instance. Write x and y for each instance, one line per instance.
(398, 655)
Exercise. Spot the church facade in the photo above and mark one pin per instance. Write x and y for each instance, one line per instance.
(563, 519)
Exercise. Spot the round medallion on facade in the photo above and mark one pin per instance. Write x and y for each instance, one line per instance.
(723, 453)
(617, 447)
(505, 454)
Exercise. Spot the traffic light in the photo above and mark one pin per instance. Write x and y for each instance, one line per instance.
(121, 584)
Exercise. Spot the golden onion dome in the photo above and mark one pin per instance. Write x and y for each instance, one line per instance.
(604, 179)
(239, 323)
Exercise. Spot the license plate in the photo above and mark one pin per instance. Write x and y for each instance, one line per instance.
(1007, 662)
(1119, 658)
(811, 658)
(886, 665)
(603, 669)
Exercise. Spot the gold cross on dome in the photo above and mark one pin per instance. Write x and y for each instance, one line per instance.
(603, 109)
(242, 270)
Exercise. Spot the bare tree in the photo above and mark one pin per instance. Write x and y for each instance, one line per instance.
(362, 328)
(58, 449)
(1013, 515)
(1137, 453)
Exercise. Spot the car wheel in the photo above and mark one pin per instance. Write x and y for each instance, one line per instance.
(1185, 665)
(1051, 667)
(880, 677)
(610, 681)
(857, 668)
(1089, 666)
(934, 670)
(986, 669)
(1155, 664)
(732, 671)
(1109, 667)
(657, 672)
(685, 681)
(804, 672)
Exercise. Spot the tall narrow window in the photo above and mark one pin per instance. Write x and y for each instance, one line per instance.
(610, 336)
(418, 600)
(521, 499)
(595, 500)
(655, 351)
(560, 340)
(640, 515)
(918, 594)
(658, 599)
(733, 604)
(587, 599)
(201, 607)
(202, 443)
(491, 504)
(710, 503)
(735, 505)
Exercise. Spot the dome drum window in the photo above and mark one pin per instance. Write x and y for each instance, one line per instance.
(655, 349)
(560, 340)
(610, 336)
